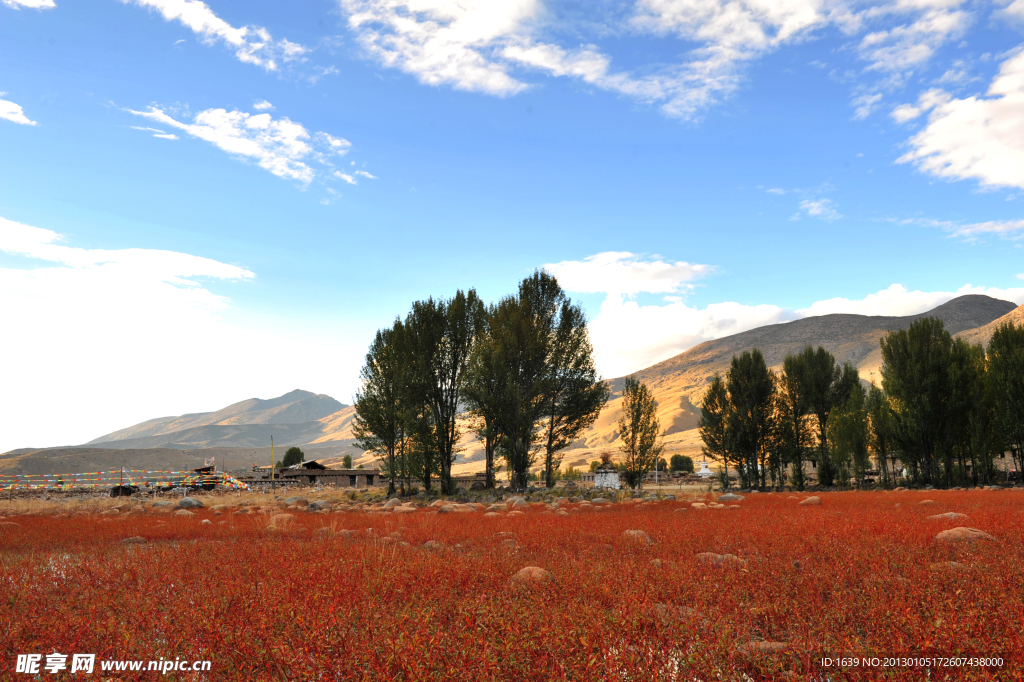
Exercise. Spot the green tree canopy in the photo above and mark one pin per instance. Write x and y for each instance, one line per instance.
(639, 431)
(292, 457)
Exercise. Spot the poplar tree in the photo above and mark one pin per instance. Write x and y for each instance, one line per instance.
(714, 414)
(383, 402)
(639, 431)
(441, 336)
(750, 422)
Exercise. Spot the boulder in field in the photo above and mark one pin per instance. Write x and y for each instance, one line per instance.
(515, 513)
(948, 516)
(638, 536)
(698, 505)
(518, 504)
(403, 510)
(962, 534)
(137, 540)
(393, 502)
(433, 545)
(281, 520)
(492, 515)
(763, 647)
(189, 503)
(300, 501)
(731, 497)
(681, 509)
(162, 503)
(184, 513)
(533, 575)
(729, 560)
(810, 501)
(926, 503)
(438, 503)
(206, 522)
(318, 505)
(600, 500)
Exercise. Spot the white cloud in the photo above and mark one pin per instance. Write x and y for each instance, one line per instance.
(865, 104)
(474, 45)
(628, 336)
(117, 336)
(621, 272)
(897, 300)
(346, 177)
(823, 209)
(980, 138)
(31, 4)
(911, 45)
(156, 132)
(251, 44)
(9, 111)
(280, 146)
(263, 105)
(366, 175)
(442, 42)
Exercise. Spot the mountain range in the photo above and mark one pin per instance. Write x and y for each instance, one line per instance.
(323, 425)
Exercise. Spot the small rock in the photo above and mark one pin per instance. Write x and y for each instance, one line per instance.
(730, 497)
(761, 647)
(300, 501)
(515, 513)
(404, 510)
(638, 536)
(183, 513)
(206, 522)
(137, 540)
(532, 575)
(600, 500)
(318, 505)
(681, 509)
(721, 559)
(963, 534)
(698, 505)
(189, 503)
(948, 516)
(281, 520)
(810, 501)
(925, 503)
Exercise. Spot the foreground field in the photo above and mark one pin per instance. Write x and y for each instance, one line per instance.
(423, 595)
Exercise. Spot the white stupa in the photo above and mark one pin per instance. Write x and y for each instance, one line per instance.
(705, 472)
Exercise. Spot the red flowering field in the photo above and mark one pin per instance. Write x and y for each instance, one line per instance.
(433, 596)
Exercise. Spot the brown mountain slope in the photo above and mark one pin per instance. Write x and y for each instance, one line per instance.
(296, 407)
(982, 335)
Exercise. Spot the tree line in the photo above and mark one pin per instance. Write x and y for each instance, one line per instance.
(522, 370)
(945, 411)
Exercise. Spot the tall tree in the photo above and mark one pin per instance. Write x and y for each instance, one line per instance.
(382, 404)
(714, 415)
(639, 431)
(1006, 364)
(441, 334)
(484, 387)
(750, 424)
(880, 426)
(848, 437)
(573, 392)
(827, 386)
(793, 430)
(520, 330)
(915, 375)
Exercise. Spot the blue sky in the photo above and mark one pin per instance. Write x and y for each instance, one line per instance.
(204, 202)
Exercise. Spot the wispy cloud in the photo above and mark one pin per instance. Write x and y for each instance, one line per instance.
(251, 44)
(280, 146)
(263, 105)
(9, 111)
(823, 209)
(1006, 229)
(366, 175)
(31, 4)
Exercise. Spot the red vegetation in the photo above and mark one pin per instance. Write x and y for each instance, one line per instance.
(856, 575)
